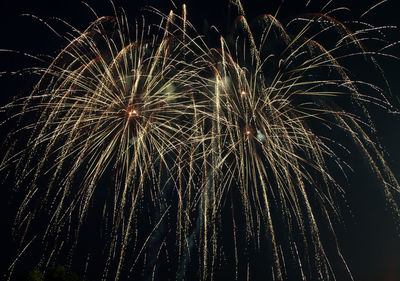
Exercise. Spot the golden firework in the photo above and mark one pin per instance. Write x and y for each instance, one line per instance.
(193, 142)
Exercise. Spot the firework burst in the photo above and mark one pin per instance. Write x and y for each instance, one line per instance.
(268, 93)
(112, 103)
(193, 143)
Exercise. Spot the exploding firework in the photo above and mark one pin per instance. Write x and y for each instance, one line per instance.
(108, 105)
(197, 153)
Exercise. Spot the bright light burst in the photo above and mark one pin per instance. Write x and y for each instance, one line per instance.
(187, 143)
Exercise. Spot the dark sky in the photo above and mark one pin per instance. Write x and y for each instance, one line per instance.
(371, 243)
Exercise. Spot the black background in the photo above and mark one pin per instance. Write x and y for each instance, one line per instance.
(370, 240)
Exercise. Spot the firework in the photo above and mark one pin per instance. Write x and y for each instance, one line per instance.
(197, 152)
(108, 105)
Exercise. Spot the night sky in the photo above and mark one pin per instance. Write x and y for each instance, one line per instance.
(370, 238)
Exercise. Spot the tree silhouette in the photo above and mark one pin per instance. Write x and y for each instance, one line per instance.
(57, 273)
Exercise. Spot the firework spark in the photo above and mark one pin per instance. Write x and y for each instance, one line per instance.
(193, 142)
